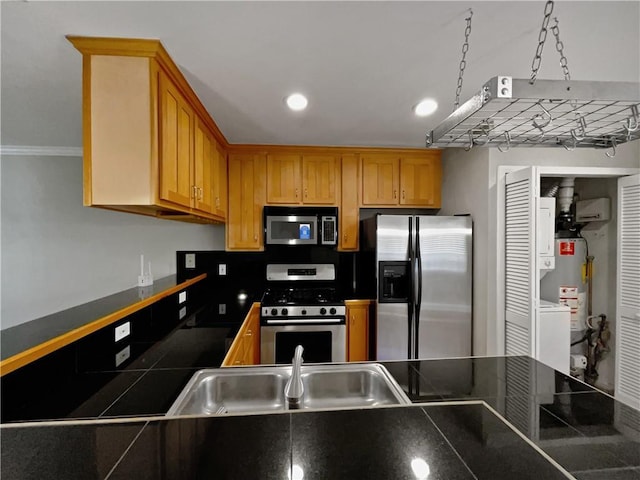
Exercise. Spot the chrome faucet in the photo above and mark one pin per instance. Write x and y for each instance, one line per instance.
(294, 389)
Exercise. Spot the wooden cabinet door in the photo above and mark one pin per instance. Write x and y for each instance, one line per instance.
(420, 179)
(283, 178)
(235, 355)
(220, 182)
(204, 164)
(176, 146)
(358, 332)
(380, 179)
(246, 197)
(252, 336)
(349, 212)
(319, 179)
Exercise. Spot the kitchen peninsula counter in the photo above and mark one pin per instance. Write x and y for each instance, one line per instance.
(30, 341)
(470, 420)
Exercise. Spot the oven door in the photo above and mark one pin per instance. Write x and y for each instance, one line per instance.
(322, 343)
(292, 230)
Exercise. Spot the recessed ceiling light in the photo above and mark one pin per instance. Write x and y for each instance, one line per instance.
(297, 102)
(425, 107)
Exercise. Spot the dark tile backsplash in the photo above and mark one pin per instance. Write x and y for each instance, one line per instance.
(246, 271)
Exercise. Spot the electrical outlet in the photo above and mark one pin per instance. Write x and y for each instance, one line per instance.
(222, 308)
(182, 297)
(122, 331)
(222, 269)
(123, 355)
(182, 313)
(190, 260)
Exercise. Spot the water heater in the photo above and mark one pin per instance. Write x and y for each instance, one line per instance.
(566, 284)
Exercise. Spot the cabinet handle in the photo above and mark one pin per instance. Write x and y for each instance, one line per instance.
(193, 191)
(345, 237)
(395, 194)
(403, 194)
(296, 193)
(255, 238)
(199, 193)
(305, 193)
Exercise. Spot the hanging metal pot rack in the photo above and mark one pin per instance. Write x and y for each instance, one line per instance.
(509, 112)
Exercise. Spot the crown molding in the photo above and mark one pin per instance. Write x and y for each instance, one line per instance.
(37, 151)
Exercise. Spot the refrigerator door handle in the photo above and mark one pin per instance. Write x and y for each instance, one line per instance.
(418, 291)
(411, 302)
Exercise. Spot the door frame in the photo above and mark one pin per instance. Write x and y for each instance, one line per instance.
(547, 171)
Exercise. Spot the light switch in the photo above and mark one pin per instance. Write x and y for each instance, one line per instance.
(222, 308)
(182, 313)
(190, 260)
(122, 331)
(182, 297)
(222, 269)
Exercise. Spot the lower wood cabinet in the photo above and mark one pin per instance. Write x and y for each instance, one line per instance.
(245, 349)
(357, 330)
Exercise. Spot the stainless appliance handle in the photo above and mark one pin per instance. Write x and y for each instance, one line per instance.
(317, 321)
(418, 296)
(411, 303)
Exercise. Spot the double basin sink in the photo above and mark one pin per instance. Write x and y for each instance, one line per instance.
(261, 389)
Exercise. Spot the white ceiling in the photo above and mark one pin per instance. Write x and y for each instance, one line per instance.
(363, 65)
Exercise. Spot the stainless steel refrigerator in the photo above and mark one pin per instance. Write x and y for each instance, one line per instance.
(424, 285)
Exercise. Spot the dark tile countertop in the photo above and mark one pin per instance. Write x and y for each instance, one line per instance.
(26, 336)
(82, 381)
(482, 418)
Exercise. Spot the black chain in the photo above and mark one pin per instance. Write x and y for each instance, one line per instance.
(542, 36)
(560, 47)
(463, 62)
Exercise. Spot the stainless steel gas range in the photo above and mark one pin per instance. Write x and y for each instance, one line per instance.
(301, 307)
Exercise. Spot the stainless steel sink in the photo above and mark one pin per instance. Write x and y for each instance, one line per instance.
(232, 390)
(261, 389)
(351, 385)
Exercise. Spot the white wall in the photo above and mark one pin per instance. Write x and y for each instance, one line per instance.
(465, 182)
(57, 254)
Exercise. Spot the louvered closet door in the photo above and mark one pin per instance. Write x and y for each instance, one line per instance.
(520, 274)
(627, 349)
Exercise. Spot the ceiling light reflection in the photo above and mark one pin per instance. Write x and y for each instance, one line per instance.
(420, 468)
(296, 472)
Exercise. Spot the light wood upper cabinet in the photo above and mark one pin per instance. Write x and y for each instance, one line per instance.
(319, 179)
(176, 152)
(205, 153)
(349, 207)
(220, 181)
(283, 178)
(247, 195)
(402, 179)
(149, 145)
(294, 179)
(380, 179)
(420, 180)
(210, 167)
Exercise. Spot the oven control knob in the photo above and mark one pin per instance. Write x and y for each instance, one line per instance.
(323, 311)
(332, 311)
(303, 312)
(284, 311)
(274, 311)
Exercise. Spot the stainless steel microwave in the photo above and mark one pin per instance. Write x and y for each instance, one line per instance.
(301, 226)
